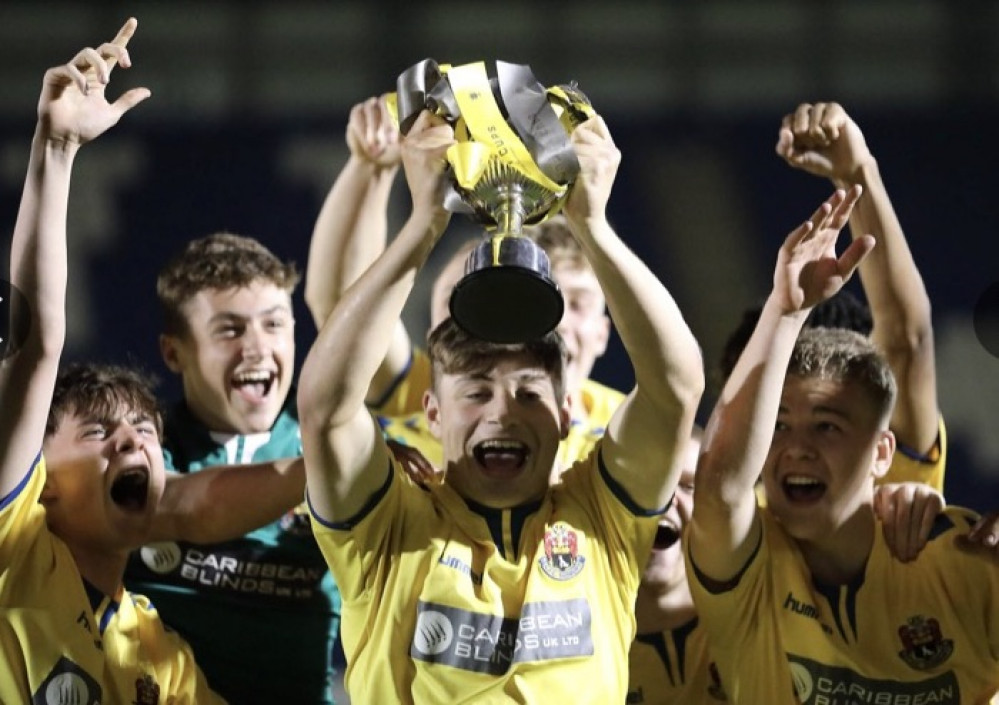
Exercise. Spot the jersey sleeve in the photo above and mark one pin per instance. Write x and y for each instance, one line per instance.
(908, 465)
(354, 549)
(22, 518)
(972, 578)
(739, 620)
(729, 611)
(627, 530)
(405, 395)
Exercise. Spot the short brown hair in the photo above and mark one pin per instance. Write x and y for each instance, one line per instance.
(101, 391)
(454, 351)
(842, 310)
(221, 261)
(845, 356)
(558, 242)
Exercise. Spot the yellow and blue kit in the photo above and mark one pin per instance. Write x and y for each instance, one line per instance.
(908, 465)
(446, 601)
(62, 640)
(926, 631)
(404, 395)
(672, 667)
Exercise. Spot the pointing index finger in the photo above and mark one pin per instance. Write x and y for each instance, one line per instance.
(121, 41)
(126, 32)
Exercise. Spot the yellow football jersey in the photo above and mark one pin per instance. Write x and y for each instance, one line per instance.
(62, 641)
(444, 602)
(907, 466)
(673, 668)
(405, 395)
(926, 631)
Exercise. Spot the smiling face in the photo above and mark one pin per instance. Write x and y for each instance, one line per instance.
(105, 478)
(829, 444)
(236, 356)
(499, 428)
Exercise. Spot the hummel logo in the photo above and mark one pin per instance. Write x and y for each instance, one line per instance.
(805, 610)
(461, 567)
(802, 608)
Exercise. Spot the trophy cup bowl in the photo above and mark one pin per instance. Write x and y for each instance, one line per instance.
(507, 293)
(512, 165)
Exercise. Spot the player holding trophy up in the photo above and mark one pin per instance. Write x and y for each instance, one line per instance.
(512, 164)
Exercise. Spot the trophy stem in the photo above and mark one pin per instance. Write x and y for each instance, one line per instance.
(510, 211)
(507, 294)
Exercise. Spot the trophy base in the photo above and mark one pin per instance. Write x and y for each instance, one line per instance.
(506, 304)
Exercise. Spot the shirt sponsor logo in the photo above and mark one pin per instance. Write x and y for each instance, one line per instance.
(161, 558)
(561, 560)
(67, 683)
(232, 573)
(487, 643)
(925, 647)
(818, 684)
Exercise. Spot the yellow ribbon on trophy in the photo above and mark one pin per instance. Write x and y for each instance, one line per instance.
(490, 135)
(524, 140)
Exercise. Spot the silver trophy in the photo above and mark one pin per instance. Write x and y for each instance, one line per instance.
(512, 166)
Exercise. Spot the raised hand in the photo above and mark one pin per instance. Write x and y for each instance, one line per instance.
(424, 150)
(599, 159)
(72, 107)
(808, 270)
(823, 140)
(372, 135)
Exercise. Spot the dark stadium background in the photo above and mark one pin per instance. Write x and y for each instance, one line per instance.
(244, 133)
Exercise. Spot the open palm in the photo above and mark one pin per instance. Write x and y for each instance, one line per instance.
(808, 270)
(72, 107)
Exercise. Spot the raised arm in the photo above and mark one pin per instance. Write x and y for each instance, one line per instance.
(725, 525)
(351, 230)
(644, 445)
(345, 459)
(823, 140)
(223, 503)
(72, 110)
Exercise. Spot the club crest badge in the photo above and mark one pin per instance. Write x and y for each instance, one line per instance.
(561, 560)
(924, 644)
